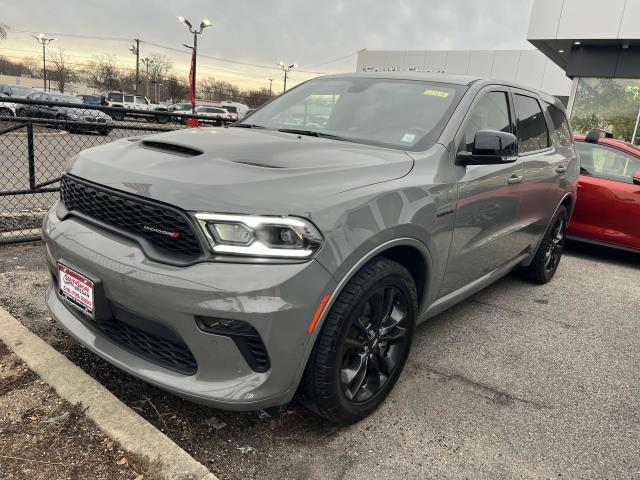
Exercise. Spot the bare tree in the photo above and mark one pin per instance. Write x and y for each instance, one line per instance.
(104, 73)
(159, 66)
(3, 31)
(57, 61)
(176, 88)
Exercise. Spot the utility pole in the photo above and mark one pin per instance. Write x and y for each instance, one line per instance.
(44, 41)
(270, 85)
(286, 69)
(204, 24)
(135, 49)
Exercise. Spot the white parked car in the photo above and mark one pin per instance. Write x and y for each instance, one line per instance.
(8, 109)
(127, 101)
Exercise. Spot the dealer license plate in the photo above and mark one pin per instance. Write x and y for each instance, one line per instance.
(76, 289)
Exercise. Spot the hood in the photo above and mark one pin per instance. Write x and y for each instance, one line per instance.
(238, 170)
(83, 112)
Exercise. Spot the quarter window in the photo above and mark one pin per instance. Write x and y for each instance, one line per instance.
(561, 125)
(608, 163)
(491, 112)
(533, 133)
(128, 98)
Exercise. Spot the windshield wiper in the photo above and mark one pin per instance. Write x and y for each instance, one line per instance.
(313, 133)
(246, 125)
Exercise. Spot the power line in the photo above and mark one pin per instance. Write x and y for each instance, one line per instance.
(331, 61)
(157, 45)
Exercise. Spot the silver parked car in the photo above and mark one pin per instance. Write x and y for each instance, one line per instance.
(238, 266)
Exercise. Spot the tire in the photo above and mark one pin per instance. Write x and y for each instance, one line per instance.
(345, 379)
(20, 112)
(161, 119)
(5, 112)
(545, 264)
(117, 116)
(61, 118)
(104, 131)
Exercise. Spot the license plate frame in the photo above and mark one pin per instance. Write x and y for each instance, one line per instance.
(77, 290)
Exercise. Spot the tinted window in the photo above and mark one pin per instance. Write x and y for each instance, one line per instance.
(561, 125)
(128, 98)
(532, 128)
(141, 100)
(401, 114)
(608, 163)
(114, 97)
(491, 112)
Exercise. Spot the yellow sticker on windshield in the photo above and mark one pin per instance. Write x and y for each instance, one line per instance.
(436, 93)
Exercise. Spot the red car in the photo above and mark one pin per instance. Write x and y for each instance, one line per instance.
(607, 209)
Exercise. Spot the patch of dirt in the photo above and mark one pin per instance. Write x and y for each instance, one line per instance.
(43, 437)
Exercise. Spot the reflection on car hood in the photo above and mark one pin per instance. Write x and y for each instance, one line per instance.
(83, 112)
(239, 170)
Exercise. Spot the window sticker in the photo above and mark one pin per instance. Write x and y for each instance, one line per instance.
(409, 138)
(436, 93)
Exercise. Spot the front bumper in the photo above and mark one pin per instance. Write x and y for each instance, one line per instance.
(277, 300)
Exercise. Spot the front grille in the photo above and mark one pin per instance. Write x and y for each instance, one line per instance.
(166, 228)
(174, 355)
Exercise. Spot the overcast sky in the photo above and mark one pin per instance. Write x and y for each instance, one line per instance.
(262, 32)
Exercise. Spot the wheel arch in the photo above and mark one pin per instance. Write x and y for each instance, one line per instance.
(403, 250)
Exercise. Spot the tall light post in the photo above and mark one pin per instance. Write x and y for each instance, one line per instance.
(146, 62)
(286, 69)
(270, 80)
(204, 24)
(44, 41)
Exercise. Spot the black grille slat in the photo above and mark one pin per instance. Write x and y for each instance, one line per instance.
(126, 212)
(155, 349)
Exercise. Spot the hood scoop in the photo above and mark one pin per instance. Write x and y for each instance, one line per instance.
(171, 148)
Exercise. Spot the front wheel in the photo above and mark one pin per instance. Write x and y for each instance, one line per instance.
(6, 112)
(544, 265)
(363, 345)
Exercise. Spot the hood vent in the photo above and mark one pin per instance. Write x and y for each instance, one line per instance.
(257, 164)
(172, 148)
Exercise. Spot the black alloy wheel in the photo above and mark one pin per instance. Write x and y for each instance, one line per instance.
(544, 265)
(374, 344)
(363, 343)
(555, 245)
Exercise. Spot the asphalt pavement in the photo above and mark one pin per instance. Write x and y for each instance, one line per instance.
(519, 381)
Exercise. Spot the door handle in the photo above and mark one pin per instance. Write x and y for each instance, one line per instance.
(513, 179)
(560, 169)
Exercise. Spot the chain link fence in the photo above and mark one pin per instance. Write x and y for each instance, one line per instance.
(37, 139)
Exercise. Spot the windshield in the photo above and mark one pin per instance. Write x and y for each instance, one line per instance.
(21, 91)
(402, 114)
(64, 98)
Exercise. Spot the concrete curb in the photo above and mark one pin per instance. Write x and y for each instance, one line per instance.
(113, 417)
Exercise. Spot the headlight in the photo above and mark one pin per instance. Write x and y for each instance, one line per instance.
(260, 235)
(73, 116)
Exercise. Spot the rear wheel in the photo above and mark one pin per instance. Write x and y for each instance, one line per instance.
(6, 112)
(363, 345)
(544, 265)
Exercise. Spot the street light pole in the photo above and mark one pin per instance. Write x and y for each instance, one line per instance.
(286, 69)
(146, 62)
(44, 41)
(270, 85)
(195, 31)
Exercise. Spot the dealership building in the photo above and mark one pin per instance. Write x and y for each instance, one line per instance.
(587, 53)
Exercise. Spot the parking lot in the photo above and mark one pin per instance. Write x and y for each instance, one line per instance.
(516, 382)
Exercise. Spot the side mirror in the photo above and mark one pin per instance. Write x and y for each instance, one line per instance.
(7, 94)
(636, 178)
(490, 147)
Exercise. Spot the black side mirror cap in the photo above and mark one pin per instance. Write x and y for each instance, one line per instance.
(490, 147)
(636, 178)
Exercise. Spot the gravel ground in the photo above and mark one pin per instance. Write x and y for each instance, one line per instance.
(519, 381)
(43, 437)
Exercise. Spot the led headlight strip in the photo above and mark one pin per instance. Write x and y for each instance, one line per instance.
(261, 236)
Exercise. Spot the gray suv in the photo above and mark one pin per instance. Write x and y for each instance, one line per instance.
(297, 250)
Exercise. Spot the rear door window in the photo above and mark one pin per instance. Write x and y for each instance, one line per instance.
(561, 125)
(533, 133)
(128, 98)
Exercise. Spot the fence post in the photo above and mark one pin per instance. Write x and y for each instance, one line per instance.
(31, 156)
